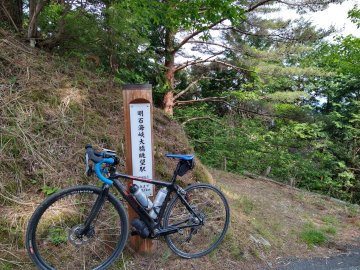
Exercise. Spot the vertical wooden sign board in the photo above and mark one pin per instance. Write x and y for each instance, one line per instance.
(139, 149)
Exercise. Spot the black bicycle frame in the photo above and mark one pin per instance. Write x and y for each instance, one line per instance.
(138, 208)
(153, 225)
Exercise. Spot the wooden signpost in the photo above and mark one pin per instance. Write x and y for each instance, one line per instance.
(139, 157)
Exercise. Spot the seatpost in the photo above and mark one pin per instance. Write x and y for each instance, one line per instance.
(173, 179)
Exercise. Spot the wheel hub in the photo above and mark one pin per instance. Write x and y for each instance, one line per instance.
(198, 221)
(79, 240)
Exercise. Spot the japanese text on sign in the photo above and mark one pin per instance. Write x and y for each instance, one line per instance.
(140, 124)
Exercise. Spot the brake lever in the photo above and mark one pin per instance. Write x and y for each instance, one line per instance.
(88, 168)
(109, 151)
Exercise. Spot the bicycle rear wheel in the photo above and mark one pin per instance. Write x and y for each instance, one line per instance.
(198, 239)
(52, 240)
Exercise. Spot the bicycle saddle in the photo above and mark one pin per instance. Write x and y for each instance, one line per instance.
(181, 157)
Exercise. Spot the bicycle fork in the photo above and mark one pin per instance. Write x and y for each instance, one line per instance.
(94, 211)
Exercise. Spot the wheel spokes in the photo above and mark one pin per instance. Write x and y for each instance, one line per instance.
(209, 207)
(56, 237)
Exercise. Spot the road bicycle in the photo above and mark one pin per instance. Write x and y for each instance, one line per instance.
(86, 227)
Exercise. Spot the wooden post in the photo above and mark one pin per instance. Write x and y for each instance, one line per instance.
(139, 149)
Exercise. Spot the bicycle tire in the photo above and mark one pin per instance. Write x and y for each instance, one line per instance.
(204, 199)
(50, 237)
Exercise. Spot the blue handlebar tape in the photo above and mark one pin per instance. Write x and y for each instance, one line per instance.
(98, 168)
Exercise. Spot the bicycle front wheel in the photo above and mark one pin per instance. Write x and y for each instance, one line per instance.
(53, 240)
(197, 239)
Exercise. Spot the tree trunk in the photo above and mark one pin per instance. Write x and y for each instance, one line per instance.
(11, 13)
(57, 37)
(168, 101)
(32, 22)
(35, 8)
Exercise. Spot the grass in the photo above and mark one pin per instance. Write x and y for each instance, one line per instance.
(166, 255)
(264, 231)
(331, 223)
(57, 235)
(121, 262)
(357, 223)
(330, 220)
(11, 229)
(330, 230)
(352, 210)
(245, 204)
(49, 190)
(236, 252)
(213, 255)
(162, 171)
(233, 247)
(313, 236)
(300, 196)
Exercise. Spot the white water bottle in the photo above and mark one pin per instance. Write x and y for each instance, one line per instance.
(141, 197)
(160, 197)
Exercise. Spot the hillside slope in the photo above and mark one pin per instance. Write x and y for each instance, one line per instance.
(51, 107)
(295, 223)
